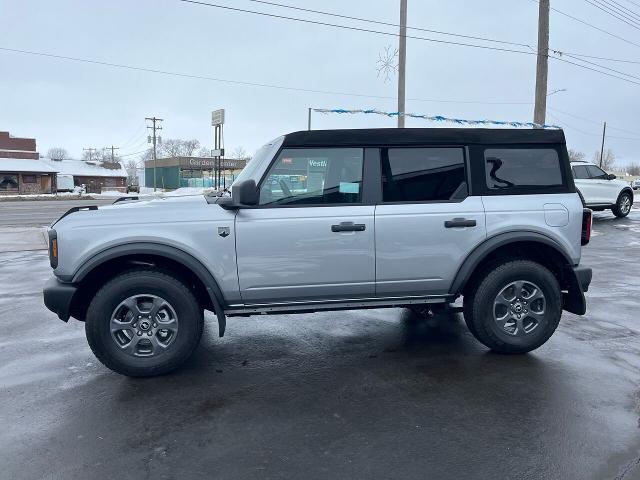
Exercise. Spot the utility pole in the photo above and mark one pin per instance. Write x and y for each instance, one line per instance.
(309, 119)
(112, 148)
(154, 127)
(542, 67)
(604, 133)
(90, 150)
(402, 61)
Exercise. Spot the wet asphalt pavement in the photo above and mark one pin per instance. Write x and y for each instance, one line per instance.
(368, 394)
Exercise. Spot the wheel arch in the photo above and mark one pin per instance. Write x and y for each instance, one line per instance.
(117, 259)
(628, 190)
(531, 245)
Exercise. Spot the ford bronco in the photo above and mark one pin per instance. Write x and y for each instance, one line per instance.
(335, 220)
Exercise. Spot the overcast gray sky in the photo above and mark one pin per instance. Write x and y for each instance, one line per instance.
(75, 105)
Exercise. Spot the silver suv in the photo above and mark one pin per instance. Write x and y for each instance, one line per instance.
(335, 220)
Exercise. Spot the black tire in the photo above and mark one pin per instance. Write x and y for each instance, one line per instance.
(479, 307)
(190, 320)
(618, 209)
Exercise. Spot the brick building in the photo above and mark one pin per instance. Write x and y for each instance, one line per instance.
(21, 171)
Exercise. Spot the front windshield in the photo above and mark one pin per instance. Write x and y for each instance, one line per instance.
(264, 154)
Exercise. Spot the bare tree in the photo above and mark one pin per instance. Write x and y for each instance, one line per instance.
(240, 153)
(608, 160)
(633, 169)
(175, 147)
(575, 155)
(204, 152)
(131, 165)
(57, 153)
(190, 146)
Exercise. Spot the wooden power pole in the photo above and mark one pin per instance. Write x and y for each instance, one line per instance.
(542, 67)
(402, 62)
(604, 134)
(154, 127)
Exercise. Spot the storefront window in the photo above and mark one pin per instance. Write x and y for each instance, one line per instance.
(8, 182)
(29, 178)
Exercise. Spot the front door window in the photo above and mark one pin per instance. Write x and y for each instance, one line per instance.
(314, 176)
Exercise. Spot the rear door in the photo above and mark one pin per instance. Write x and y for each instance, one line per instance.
(427, 222)
(312, 235)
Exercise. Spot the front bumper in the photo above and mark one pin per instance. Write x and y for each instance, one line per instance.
(58, 297)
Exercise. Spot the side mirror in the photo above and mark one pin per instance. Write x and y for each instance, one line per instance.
(245, 193)
(612, 176)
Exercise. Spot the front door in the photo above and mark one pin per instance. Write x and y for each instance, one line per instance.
(427, 223)
(311, 237)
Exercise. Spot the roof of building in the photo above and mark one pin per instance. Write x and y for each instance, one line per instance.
(25, 165)
(80, 168)
(422, 136)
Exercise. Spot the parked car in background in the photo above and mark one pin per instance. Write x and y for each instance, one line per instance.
(335, 220)
(64, 182)
(600, 190)
(133, 185)
(636, 184)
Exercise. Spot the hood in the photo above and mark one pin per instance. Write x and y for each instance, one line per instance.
(139, 212)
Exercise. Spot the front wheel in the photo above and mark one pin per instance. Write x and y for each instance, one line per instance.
(623, 205)
(143, 323)
(515, 308)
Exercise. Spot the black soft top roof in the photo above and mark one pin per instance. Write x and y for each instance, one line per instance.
(421, 136)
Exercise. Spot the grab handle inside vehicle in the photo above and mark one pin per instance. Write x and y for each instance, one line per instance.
(459, 222)
(348, 227)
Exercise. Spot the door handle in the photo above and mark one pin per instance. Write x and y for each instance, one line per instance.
(348, 227)
(459, 222)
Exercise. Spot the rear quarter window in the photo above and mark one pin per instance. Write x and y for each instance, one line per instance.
(522, 170)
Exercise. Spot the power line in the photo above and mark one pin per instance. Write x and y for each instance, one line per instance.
(589, 120)
(560, 59)
(389, 24)
(622, 7)
(241, 82)
(202, 3)
(614, 15)
(440, 32)
(592, 26)
(632, 3)
(622, 11)
(358, 29)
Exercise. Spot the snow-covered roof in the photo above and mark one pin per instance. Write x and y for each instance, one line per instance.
(25, 165)
(80, 168)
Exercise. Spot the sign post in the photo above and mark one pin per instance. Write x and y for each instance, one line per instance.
(217, 121)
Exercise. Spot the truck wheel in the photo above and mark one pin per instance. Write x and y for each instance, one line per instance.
(515, 308)
(623, 205)
(143, 323)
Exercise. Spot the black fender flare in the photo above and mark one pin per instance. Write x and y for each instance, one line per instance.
(162, 250)
(493, 243)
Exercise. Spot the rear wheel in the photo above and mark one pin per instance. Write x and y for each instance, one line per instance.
(515, 308)
(143, 323)
(623, 205)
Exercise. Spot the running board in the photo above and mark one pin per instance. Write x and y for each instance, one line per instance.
(352, 304)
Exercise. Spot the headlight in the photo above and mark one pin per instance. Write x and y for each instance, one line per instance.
(53, 248)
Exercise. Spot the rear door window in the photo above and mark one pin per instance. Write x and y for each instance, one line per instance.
(423, 174)
(530, 169)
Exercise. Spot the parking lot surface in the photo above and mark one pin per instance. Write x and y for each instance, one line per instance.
(366, 394)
